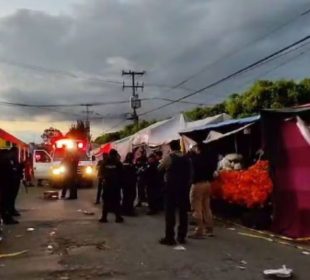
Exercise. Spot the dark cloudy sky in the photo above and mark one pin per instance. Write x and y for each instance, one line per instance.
(73, 51)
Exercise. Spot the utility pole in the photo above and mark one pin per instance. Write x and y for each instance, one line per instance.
(135, 101)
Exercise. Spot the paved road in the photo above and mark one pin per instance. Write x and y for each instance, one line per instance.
(68, 244)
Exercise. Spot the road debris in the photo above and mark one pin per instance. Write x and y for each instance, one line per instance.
(179, 248)
(282, 272)
(231, 228)
(30, 229)
(51, 195)
(305, 253)
(10, 255)
(88, 213)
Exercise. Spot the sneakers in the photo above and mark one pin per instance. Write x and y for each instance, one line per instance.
(167, 242)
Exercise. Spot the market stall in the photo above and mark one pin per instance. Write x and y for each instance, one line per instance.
(287, 142)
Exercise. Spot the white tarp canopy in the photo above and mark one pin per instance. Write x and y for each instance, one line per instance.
(214, 135)
(161, 132)
(191, 126)
(123, 146)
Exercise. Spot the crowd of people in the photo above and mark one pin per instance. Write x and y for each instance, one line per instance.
(177, 183)
(174, 184)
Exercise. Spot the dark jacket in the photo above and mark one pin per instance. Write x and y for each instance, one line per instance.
(112, 172)
(202, 169)
(152, 176)
(177, 170)
(129, 174)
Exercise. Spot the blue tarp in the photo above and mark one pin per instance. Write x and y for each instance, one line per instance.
(242, 121)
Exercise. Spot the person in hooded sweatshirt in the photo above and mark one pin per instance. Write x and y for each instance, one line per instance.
(129, 185)
(177, 174)
(112, 172)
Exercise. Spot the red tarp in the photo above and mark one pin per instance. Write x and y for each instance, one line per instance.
(289, 154)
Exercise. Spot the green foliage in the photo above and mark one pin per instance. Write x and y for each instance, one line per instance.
(204, 112)
(262, 95)
(50, 134)
(78, 131)
(126, 131)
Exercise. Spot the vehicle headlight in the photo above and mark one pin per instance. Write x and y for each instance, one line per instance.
(59, 170)
(89, 170)
(56, 171)
(62, 169)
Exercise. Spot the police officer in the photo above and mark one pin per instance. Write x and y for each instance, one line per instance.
(153, 185)
(70, 164)
(5, 188)
(129, 185)
(112, 175)
(177, 170)
(100, 165)
(141, 164)
(16, 175)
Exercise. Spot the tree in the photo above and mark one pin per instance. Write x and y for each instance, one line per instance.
(50, 134)
(126, 131)
(78, 131)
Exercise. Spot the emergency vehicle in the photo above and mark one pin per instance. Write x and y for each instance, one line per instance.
(48, 166)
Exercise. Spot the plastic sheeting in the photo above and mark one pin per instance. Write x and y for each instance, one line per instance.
(192, 126)
(123, 146)
(160, 133)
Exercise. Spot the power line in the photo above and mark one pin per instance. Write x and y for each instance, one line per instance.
(97, 104)
(229, 54)
(250, 66)
(73, 75)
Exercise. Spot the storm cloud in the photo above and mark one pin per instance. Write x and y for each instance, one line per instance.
(77, 57)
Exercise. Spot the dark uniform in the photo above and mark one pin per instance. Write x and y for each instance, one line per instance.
(6, 188)
(129, 186)
(100, 177)
(17, 174)
(69, 181)
(141, 164)
(153, 185)
(112, 172)
(177, 178)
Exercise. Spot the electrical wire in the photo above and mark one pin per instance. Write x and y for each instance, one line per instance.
(230, 54)
(224, 79)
